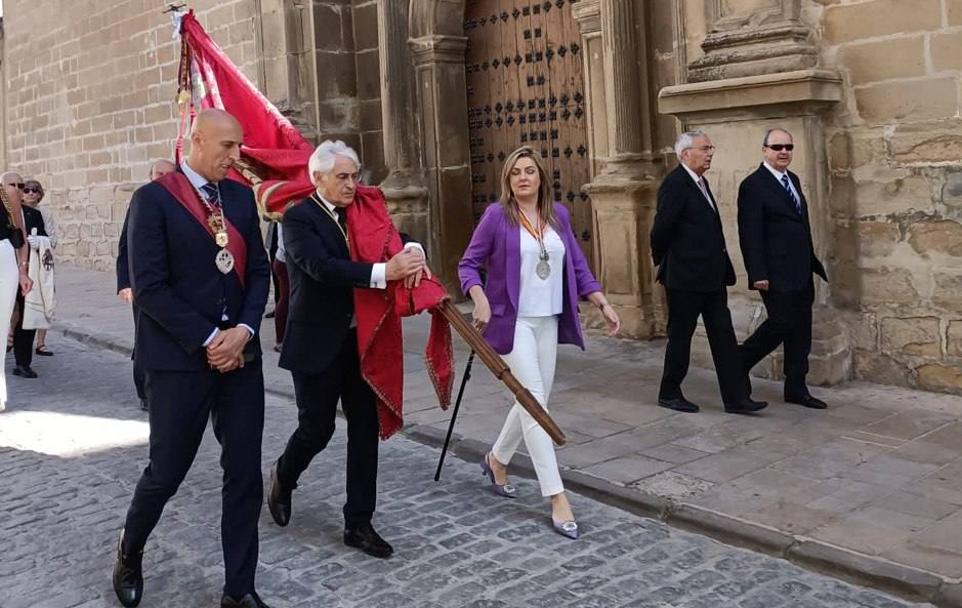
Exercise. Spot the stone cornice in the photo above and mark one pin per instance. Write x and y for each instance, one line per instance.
(798, 92)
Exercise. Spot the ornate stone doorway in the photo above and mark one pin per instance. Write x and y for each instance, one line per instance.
(525, 86)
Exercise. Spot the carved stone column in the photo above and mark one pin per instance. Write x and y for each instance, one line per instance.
(404, 187)
(623, 188)
(757, 74)
(441, 99)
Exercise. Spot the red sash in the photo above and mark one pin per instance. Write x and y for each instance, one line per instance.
(184, 193)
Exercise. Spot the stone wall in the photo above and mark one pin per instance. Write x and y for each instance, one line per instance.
(90, 90)
(895, 163)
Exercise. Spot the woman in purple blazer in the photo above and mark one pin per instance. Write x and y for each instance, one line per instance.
(536, 273)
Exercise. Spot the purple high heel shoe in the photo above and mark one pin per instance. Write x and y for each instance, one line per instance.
(507, 490)
(566, 528)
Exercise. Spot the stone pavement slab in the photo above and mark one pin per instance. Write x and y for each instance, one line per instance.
(73, 444)
(874, 483)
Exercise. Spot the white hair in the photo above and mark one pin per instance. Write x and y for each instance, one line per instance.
(324, 156)
(686, 140)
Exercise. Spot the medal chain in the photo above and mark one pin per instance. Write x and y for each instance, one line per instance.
(216, 221)
(538, 236)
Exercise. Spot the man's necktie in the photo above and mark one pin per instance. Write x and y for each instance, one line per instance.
(798, 205)
(212, 192)
(704, 190)
(341, 217)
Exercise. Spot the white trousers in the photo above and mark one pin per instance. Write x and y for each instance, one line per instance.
(532, 361)
(9, 284)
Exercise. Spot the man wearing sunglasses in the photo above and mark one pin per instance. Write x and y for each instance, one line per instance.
(776, 242)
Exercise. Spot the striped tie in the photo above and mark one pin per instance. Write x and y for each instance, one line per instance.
(213, 193)
(788, 188)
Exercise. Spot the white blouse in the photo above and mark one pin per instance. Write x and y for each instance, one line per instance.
(541, 297)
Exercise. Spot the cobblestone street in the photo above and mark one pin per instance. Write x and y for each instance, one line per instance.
(73, 442)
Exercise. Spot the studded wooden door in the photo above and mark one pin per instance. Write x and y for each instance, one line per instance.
(525, 86)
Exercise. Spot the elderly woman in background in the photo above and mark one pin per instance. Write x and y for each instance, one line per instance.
(536, 272)
(32, 196)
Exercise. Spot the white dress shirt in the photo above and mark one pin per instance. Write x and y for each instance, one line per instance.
(539, 297)
(700, 184)
(198, 182)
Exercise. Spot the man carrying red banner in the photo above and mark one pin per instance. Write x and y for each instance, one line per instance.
(321, 346)
(200, 278)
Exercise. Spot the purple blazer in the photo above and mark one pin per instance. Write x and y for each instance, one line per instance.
(496, 247)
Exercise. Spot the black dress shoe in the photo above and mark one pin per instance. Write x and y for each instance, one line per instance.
(279, 500)
(128, 577)
(679, 405)
(24, 371)
(807, 401)
(745, 406)
(367, 540)
(250, 600)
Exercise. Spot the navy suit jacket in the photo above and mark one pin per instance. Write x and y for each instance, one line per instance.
(687, 241)
(776, 241)
(179, 291)
(322, 277)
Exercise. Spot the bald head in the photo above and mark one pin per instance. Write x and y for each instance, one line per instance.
(215, 141)
(12, 184)
(161, 168)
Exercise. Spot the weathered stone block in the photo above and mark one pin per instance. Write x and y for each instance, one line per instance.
(927, 142)
(915, 99)
(886, 286)
(943, 237)
(904, 58)
(877, 239)
(885, 191)
(874, 366)
(946, 51)
(919, 336)
(942, 378)
(947, 290)
(880, 17)
(953, 11)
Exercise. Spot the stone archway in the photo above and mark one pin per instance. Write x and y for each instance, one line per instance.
(438, 45)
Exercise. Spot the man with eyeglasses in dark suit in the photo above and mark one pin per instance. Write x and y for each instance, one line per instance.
(688, 246)
(776, 242)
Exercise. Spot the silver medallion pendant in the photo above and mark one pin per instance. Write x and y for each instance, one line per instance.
(543, 269)
(224, 260)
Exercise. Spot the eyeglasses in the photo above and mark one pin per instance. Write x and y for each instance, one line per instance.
(702, 148)
(780, 147)
(31, 190)
(19, 186)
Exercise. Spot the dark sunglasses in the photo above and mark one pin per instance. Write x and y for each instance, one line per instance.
(19, 186)
(780, 147)
(31, 189)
